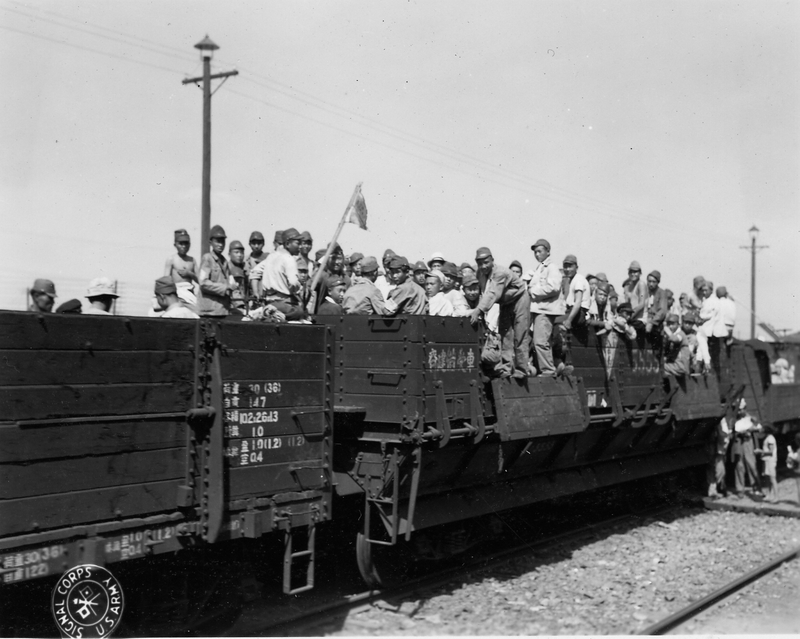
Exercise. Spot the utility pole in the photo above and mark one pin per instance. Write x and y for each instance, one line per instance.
(753, 248)
(207, 48)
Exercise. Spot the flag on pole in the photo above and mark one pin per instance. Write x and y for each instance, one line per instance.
(357, 213)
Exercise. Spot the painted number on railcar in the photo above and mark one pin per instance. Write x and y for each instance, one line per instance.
(249, 394)
(256, 450)
(29, 564)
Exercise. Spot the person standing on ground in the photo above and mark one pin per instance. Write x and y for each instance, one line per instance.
(769, 455)
(716, 463)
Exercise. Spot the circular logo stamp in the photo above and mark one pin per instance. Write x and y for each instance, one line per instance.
(87, 602)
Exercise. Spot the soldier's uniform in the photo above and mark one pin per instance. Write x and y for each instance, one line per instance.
(408, 296)
(252, 259)
(215, 281)
(363, 297)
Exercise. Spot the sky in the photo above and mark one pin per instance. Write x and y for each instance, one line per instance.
(651, 131)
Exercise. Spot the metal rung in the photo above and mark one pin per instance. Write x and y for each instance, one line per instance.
(289, 556)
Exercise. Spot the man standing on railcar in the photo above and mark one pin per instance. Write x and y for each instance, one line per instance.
(43, 295)
(634, 290)
(546, 305)
(257, 254)
(507, 289)
(216, 282)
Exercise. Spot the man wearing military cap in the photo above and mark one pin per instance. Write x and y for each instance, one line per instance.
(101, 295)
(278, 280)
(306, 242)
(407, 297)
(257, 254)
(70, 307)
(167, 298)
(546, 305)
(43, 296)
(331, 303)
(419, 272)
(240, 296)
(634, 289)
(363, 297)
(501, 286)
(182, 268)
(354, 263)
(384, 282)
(472, 290)
(451, 292)
(216, 279)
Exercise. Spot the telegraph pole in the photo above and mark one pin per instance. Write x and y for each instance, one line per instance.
(753, 248)
(207, 48)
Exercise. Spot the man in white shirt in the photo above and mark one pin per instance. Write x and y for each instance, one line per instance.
(546, 305)
(727, 314)
(167, 298)
(438, 304)
(279, 278)
(577, 299)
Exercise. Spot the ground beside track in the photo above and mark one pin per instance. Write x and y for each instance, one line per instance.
(618, 583)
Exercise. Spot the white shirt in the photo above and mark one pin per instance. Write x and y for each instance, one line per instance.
(440, 305)
(278, 273)
(460, 306)
(384, 285)
(579, 283)
(727, 312)
(179, 311)
(546, 281)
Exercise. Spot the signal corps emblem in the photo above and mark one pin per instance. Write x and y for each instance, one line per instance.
(87, 602)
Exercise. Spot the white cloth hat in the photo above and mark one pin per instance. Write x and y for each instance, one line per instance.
(101, 286)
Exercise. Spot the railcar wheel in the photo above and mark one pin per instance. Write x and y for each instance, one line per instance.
(382, 566)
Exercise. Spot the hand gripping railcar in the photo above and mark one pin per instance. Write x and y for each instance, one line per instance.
(123, 438)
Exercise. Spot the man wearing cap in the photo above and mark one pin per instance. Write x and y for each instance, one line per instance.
(306, 242)
(167, 297)
(277, 240)
(546, 305)
(216, 281)
(501, 286)
(101, 296)
(257, 254)
(182, 268)
(278, 278)
(634, 289)
(70, 307)
(384, 282)
(516, 267)
(363, 297)
(436, 261)
(43, 296)
(577, 298)
(472, 290)
(354, 262)
(438, 304)
(420, 270)
(655, 309)
(600, 310)
(239, 296)
(407, 296)
(451, 291)
(467, 269)
(331, 305)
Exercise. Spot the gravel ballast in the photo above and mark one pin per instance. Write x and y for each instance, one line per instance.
(618, 583)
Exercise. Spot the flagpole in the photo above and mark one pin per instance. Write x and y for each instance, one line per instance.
(324, 259)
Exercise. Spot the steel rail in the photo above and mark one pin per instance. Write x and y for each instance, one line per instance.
(709, 600)
(322, 612)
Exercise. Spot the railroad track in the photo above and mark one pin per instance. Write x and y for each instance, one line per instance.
(692, 610)
(305, 622)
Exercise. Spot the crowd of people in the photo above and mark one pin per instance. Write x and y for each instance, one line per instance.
(526, 315)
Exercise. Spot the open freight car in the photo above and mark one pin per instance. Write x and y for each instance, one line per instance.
(124, 438)
(422, 441)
